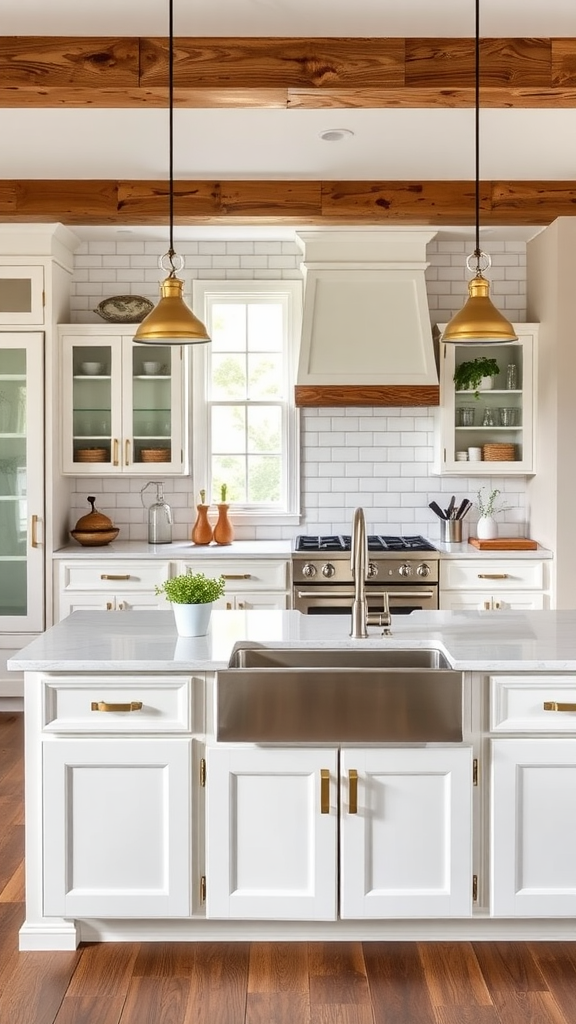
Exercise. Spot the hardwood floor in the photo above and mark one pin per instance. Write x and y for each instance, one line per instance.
(263, 983)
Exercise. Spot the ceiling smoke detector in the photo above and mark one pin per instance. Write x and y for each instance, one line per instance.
(336, 134)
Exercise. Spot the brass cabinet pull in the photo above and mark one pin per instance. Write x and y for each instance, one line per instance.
(554, 705)
(34, 532)
(228, 606)
(127, 453)
(102, 705)
(110, 576)
(108, 606)
(237, 576)
(353, 791)
(240, 604)
(492, 575)
(115, 451)
(324, 791)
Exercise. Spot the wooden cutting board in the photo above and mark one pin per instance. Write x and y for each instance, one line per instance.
(504, 544)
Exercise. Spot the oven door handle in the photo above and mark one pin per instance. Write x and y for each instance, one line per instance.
(396, 592)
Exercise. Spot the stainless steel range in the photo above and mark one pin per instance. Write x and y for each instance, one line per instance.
(404, 567)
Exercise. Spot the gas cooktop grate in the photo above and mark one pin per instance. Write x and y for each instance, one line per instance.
(376, 542)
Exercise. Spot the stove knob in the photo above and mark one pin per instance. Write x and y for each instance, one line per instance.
(405, 569)
(423, 569)
(372, 570)
(328, 570)
(308, 570)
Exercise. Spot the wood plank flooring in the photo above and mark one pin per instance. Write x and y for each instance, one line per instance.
(260, 982)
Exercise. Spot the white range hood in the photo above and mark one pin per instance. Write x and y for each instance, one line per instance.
(366, 324)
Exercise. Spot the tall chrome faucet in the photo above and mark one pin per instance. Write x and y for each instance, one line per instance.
(360, 567)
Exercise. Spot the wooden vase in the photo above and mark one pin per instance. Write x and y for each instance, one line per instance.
(202, 532)
(223, 529)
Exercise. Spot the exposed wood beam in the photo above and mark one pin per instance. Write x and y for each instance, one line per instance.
(54, 71)
(287, 202)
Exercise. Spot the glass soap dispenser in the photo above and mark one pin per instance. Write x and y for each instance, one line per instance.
(159, 515)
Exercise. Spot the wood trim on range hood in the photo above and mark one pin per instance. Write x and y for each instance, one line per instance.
(366, 331)
(370, 394)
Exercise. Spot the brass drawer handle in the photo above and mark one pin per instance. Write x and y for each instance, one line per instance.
(110, 576)
(102, 705)
(353, 791)
(492, 575)
(237, 576)
(554, 705)
(324, 791)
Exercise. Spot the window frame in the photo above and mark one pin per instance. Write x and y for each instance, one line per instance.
(204, 294)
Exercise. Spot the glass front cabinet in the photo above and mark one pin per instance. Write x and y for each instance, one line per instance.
(489, 429)
(21, 482)
(123, 404)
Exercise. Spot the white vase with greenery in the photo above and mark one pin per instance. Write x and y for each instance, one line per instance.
(192, 597)
(487, 527)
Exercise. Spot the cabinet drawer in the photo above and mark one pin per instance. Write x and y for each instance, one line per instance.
(169, 704)
(243, 575)
(515, 574)
(517, 703)
(113, 576)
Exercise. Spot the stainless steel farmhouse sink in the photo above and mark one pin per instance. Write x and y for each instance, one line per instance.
(323, 695)
(328, 657)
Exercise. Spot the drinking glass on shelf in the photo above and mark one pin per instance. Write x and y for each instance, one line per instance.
(466, 414)
(507, 417)
(512, 377)
(488, 418)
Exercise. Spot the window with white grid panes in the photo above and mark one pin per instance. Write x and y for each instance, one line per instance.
(249, 417)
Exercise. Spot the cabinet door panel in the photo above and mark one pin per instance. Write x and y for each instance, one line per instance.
(406, 852)
(117, 828)
(533, 849)
(271, 853)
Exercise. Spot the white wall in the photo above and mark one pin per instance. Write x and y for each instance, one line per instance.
(375, 457)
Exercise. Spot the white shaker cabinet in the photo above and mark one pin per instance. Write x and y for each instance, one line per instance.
(108, 584)
(123, 404)
(292, 836)
(499, 422)
(250, 584)
(117, 828)
(482, 584)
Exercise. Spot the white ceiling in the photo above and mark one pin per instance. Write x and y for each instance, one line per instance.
(267, 144)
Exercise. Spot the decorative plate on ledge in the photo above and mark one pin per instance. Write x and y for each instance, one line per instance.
(124, 309)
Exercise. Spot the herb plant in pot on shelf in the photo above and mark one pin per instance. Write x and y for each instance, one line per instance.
(192, 596)
(487, 528)
(476, 374)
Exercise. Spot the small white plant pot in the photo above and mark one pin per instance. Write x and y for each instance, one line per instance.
(486, 384)
(486, 528)
(192, 619)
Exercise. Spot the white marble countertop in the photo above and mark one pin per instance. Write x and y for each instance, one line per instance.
(139, 641)
(179, 550)
(254, 549)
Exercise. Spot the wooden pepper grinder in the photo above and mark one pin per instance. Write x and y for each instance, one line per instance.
(202, 532)
(223, 530)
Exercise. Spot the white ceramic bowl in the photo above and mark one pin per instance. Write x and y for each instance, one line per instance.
(151, 369)
(92, 369)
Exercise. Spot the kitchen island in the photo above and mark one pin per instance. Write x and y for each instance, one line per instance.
(141, 825)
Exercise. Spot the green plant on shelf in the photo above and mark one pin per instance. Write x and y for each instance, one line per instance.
(490, 506)
(468, 375)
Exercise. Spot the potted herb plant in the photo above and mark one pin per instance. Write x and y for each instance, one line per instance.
(488, 508)
(192, 596)
(472, 373)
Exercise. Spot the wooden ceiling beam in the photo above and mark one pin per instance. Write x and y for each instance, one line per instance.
(438, 203)
(55, 71)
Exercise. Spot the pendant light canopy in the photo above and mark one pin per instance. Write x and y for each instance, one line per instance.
(171, 322)
(478, 322)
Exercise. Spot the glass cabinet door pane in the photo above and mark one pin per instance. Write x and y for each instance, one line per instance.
(92, 403)
(13, 483)
(15, 295)
(151, 397)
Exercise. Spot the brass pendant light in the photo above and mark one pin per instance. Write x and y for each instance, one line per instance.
(478, 322)
(171, 322)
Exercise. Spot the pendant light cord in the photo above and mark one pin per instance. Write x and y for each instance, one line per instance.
(477, 251)
(171, 127)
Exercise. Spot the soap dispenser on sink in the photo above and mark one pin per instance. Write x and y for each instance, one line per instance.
(159, 515)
